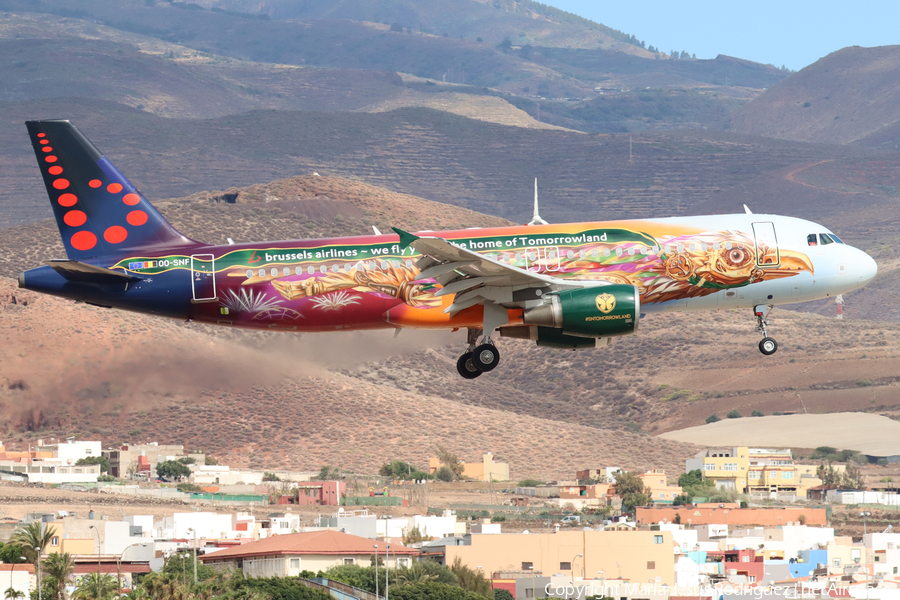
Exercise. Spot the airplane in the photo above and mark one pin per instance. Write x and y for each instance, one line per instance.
(575, 285)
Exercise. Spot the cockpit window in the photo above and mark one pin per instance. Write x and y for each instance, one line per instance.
(812, 240)
(836, 238)
(824, 238)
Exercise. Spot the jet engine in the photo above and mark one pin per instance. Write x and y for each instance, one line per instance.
(595, 312)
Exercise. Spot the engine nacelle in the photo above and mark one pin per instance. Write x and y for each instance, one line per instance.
(594, 312)
(552, 338)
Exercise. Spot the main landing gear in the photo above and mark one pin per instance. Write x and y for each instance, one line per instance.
(477, 359)
(767, 345)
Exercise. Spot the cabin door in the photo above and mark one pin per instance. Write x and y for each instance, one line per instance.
(203, 277)
(766, 245)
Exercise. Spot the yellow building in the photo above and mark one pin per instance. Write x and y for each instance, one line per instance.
(754, 470)
(660, 490)
(635, 556)
(486, 470)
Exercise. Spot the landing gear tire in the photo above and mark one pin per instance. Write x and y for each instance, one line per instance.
(768, 346)
(466, 366)
(485, 357)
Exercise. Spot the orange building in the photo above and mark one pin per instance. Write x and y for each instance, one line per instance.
(727, 514)
(660, 490)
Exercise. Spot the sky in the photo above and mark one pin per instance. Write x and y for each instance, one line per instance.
(791, 33)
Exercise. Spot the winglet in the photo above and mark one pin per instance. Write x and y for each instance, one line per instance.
(406, 238)
(747, 210)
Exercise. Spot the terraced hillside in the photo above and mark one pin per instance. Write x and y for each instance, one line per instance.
(480, 166)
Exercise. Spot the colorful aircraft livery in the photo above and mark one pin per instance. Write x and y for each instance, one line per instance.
(565, 286)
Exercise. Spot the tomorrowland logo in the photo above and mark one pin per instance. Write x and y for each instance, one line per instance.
(605, 303)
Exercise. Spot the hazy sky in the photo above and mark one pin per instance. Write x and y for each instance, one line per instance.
(794, 33)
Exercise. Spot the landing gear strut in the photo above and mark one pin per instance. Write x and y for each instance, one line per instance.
(767, 345)
(477, 359)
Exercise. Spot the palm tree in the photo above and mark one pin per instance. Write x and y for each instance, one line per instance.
(33, 538)
(13, 593)
(88, 587)
(59, 567)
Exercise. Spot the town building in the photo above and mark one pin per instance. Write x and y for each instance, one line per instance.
(754, 471)
(486, 470)
(660, 491)
(287, 555)
(730, 514)
(632, 555)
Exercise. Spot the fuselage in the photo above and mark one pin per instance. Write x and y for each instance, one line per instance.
(369, 282)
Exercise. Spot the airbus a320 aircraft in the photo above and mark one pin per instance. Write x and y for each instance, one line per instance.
(565, 286)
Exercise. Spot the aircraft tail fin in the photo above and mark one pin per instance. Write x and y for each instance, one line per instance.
(98, 211)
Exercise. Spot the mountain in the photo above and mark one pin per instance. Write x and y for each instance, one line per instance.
(523, 21)
(537, 75)
(851, 96)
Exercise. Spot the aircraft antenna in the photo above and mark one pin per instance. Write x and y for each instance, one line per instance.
(536, 220)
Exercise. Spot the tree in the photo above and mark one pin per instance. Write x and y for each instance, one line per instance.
(734, 414)
(88, 587)
(632, 490)
(270, 477)
(444, 473)
(450, 460)
(209, 460)
(328, 473)
(690, 478)
(11, 554)
(187, 460)
(505, 46)
(470, 579)
(713, 418)
(172, 469)
(94, 460)
(757, 413)
(500, 594)
(681, 499)
(13, 593)
(57, 569)
(181, 566)
(32, 539)
(434, 590)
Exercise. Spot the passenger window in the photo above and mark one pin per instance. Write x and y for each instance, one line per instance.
(824, 239)
(811, 239)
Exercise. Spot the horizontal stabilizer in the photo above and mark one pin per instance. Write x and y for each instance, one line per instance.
(74, 270)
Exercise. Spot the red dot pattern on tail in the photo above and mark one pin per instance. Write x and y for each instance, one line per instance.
(83, 240)
(75, 218)
(67, 200)
(115, 234)
(86, 240)
(136, 218)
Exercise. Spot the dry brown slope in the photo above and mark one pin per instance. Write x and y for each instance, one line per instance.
(846, 96)
(72, 369)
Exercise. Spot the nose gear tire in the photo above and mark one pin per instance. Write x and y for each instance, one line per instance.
(768, 346)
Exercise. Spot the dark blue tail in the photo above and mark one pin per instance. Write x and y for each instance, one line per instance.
(98, 211)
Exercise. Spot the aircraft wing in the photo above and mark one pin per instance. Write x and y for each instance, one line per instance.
(476, 278)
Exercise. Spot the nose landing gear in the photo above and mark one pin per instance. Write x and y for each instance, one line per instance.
(477, 360)
(767, 345)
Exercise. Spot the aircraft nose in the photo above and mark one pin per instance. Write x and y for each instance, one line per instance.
(865, 267)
